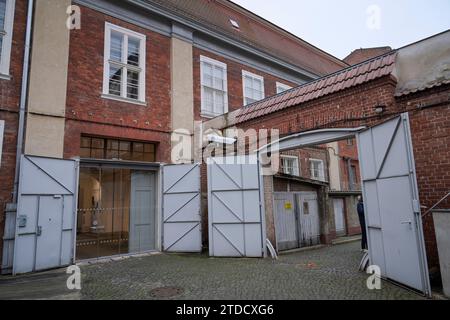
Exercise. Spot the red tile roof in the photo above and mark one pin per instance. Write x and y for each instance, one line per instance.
(254, 31)
(344, 79)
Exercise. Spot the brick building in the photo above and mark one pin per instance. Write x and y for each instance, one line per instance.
(113, 88)
(119, 92)
(369, 94)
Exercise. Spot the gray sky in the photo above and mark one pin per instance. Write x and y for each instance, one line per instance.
(339, 27)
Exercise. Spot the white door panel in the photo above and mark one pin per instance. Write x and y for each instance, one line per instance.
(236, 222)
(46, 214)
(182, 208)
(142, 212)
(394, 225)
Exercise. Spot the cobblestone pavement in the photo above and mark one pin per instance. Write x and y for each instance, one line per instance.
(327, 273)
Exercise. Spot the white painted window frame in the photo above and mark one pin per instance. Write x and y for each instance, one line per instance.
(5, 60)
(321, 169)
(206, 113)
(283, 87)
(253, 76)
(2, 130)
(142, 64)
(296, 159)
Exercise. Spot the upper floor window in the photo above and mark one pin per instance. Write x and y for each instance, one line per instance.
(282, 87)
(289, 165)
(253, 87)
(317, 169)
(214, 87)
(6, 31)
(124, 67)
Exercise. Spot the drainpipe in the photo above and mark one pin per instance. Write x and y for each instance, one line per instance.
(23, 97)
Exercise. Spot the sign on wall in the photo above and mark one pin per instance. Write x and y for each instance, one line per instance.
(2, 129)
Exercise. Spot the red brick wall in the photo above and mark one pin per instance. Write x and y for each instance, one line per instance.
(348, 108)
(234, 77)
(304, 154)
(88, 113)
(431, 142)
(9, 107)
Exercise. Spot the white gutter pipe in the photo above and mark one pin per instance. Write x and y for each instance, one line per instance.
(23, 97)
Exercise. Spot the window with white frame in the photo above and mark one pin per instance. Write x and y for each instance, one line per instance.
(6, 31)
(253, 87)
(282, 87)
(2, 129)
(289, 165)
(317, 169)
(214, 84)
(124, 68)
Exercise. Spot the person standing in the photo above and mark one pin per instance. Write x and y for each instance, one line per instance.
(362, 222)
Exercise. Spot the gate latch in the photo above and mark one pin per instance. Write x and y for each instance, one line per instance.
(39, 231)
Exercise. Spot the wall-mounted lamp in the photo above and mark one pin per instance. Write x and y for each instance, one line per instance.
(379, 109)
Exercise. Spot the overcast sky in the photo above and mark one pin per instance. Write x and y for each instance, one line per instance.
(339, 27)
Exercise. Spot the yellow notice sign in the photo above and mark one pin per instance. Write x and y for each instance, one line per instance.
(288, 206)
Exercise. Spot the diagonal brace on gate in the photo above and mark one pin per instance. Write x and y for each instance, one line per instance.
(179, 209)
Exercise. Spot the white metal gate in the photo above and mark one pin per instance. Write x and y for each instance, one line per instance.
(46, 214)
(235, 207)
(181, 208)
(391, 203)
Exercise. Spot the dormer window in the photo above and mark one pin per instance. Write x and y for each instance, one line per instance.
(235, 24)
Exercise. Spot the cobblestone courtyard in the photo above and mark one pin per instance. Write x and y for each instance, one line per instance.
(327, 273)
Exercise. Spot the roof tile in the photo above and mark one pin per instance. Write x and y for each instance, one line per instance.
(344, 79)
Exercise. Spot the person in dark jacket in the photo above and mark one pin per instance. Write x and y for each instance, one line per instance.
(362, 222)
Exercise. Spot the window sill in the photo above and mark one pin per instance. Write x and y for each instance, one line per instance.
(210, 115)
(5, 77)
(122, 99)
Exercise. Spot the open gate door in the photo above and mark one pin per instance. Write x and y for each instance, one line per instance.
(46, 213)
(181, 208)
(235, 207)
(391, 202)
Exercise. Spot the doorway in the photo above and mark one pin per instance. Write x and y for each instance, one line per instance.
(339, 217)
(391, 202)
(297, 220)
(116, 211)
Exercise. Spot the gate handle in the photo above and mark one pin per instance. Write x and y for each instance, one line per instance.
(39, 231)
(407, 222)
